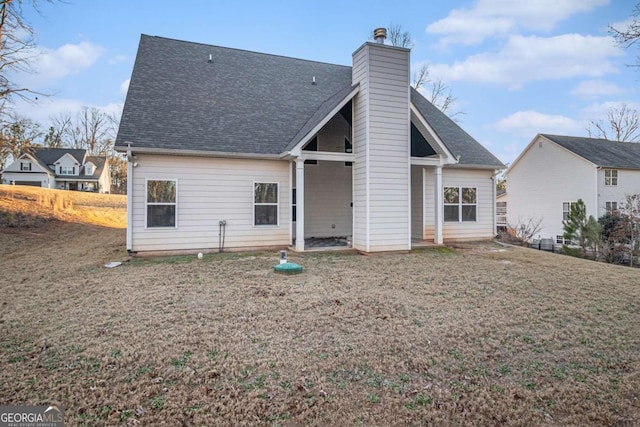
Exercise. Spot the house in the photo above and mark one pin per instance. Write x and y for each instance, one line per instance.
(60, 168)
(555, 171)
(237, 149)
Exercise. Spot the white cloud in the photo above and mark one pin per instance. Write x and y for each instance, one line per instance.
(49, 65)
(597, 111)
(596, 88)
(489, 18)
(124, 87)
(116, 59)
(42, 110)
(525, 59)
(529, 123)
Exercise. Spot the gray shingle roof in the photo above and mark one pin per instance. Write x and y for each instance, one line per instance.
(458, 142)
(48, 156)
(246, 102)
(240, 102)
(601, 152)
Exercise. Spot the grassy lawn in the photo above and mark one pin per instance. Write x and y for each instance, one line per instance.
(468, 335)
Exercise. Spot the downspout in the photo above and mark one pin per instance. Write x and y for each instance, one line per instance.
(129, 199)
(495, 195)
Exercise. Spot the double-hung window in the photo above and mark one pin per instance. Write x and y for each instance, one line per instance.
(566, 209)
(265, 203)
(67, 170)
(25, 166)
(611, 177)
(460, 204)
(161, 203)
(611, 207)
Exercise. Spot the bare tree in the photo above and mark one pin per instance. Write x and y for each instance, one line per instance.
(621, 124)
(400, 38)
(17, 136)
(16, 48)
(630, 211)
(436, 91)
(630, 35)
(93, 130)
(525, 229)
(60, 125)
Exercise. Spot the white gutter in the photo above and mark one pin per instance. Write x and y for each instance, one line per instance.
(129, 201)
(198, 153)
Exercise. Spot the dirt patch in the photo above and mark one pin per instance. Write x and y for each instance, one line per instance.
(472, 335)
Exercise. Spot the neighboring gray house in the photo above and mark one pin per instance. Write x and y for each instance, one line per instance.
(60, 168)
(555, 171)
(280, 150)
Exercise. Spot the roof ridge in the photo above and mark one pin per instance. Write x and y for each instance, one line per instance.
(245, 50)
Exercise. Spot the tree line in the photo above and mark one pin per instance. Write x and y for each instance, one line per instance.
(89, 129)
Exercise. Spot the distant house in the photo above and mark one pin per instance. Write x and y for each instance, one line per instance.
(60, 168)
(555, 171)
(275, 151)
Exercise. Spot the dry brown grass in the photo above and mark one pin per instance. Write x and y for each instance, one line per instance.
(28, 207)
(473, 335)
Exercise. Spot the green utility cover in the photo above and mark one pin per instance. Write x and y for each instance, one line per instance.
(288, 268)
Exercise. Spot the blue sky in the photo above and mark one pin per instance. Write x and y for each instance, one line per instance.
(516, 69)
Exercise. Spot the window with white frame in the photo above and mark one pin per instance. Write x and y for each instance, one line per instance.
(67, 170)
(611, 177)
(25, 166)
(611, 207)
(88, 169)
(460, 204)
(265, 203)
(566, 208)
(161, 202)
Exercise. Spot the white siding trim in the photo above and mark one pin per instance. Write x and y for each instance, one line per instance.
(129, 206)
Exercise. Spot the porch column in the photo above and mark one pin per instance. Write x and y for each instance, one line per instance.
(299, 205)
(439, 208)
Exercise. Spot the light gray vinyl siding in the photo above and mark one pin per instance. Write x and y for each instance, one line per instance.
(545, 176)
(417, 199)
(628, 183)
(328, 188)
(210, 190)
(381, 129)
(482, 228)
(360, 143)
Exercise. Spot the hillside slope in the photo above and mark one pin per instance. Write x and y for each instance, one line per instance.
(24, 207)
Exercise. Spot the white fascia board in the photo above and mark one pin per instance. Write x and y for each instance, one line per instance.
(450, 157)
(297, 150)
(196, 153)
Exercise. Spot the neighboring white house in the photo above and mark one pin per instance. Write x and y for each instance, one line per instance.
(555, 171)
(262, 150)
(60, 168)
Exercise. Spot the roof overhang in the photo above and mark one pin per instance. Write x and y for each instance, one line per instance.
(195, 153)
(296, 151)
(441, 147)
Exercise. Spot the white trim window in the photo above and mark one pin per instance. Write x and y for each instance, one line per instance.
(25, 166)
(566, 209)
(67, 170)
(460, 204)
(265, 203)
(88, 169)
(610, 207)
(611, 177)
(161, 203)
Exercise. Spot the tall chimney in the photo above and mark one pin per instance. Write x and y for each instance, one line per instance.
(379, 34)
